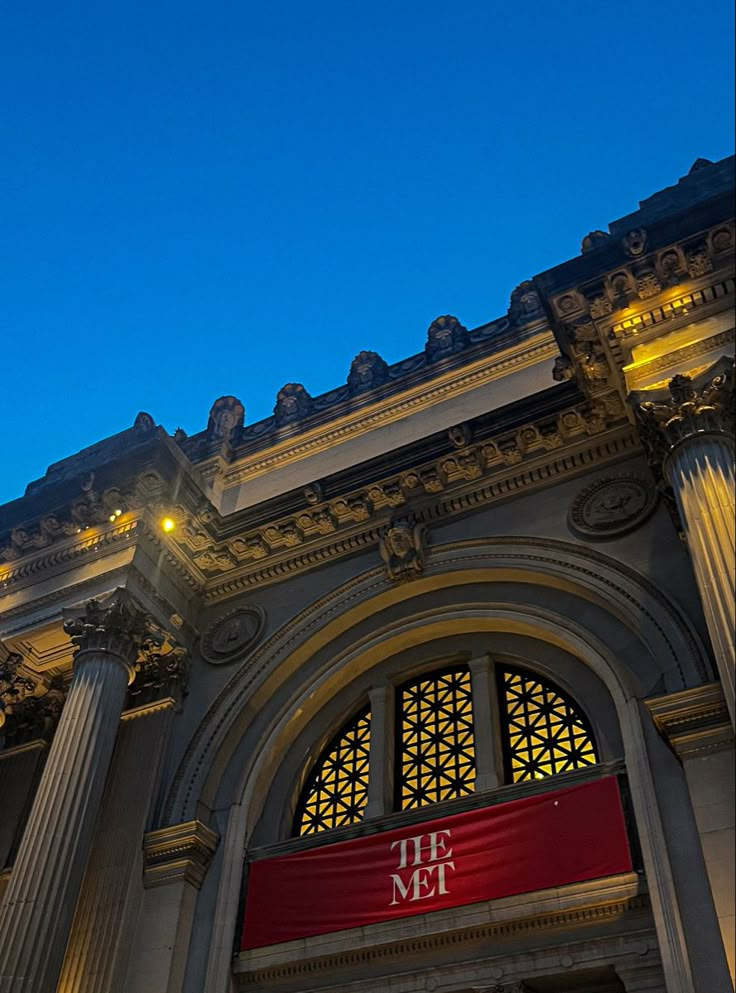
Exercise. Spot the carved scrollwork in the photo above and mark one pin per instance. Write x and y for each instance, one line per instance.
(699, 262)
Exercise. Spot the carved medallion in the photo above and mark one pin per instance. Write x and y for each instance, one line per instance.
(230, 637)
(612, 506)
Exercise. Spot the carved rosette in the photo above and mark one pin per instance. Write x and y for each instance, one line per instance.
(115, 626)
(612, 506)
(691, 409)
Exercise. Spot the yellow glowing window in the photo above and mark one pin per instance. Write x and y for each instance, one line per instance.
(436, 759)
(544, 733)
(337, 789)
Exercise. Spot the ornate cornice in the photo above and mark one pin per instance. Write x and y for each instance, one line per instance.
(491, 483)
(640, 288)
(355, 515)
(695, 721)
(680, 305)
(687, 355)
(179, 853)
(387, 409)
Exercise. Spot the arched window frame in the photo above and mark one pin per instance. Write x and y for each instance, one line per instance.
(318, 765)
(491, 761)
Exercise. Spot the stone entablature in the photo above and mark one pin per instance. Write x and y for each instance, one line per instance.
(179, 853)
(694, 721)
(486, 940)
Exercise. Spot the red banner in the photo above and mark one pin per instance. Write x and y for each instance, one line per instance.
(516, 847)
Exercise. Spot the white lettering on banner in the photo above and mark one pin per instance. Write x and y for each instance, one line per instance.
(431, 855)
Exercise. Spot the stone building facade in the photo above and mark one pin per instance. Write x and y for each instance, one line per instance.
(484, 592)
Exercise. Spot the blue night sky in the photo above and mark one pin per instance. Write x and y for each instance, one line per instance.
(201, 199)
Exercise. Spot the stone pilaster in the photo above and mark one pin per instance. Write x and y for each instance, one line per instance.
(486, 771)
(689, 437)
(380, 778)
(39, 903)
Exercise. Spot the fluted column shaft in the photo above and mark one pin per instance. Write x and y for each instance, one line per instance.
(701, 473)
(39, 903)
(688, 433)
(41, 897)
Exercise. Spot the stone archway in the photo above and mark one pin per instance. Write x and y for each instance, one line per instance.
(628, 633)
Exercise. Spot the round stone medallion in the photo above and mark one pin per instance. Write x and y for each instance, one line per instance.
(612, 506)
(230, 637)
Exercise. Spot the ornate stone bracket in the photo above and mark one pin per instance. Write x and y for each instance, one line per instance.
(694, 722)
(179, 853)
(403, 547)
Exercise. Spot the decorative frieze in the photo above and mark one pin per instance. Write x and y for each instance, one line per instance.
(325, 519)
(179, 853)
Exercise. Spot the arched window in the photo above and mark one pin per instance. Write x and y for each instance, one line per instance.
(537, 727)
(436, 744)
(543, 731)
(337, 789)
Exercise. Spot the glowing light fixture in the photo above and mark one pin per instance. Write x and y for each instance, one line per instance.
(167, 524)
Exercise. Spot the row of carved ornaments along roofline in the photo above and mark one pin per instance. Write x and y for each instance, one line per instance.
(643, 278)
(31, 702)
(196, 529)
(588, 361)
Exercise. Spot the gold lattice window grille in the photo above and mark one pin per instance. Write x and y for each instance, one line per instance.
(336, 791)
(436, 743)
(543, 731)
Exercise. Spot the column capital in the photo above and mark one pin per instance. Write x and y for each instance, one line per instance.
(114, 625)
(688, 408)
(30, 702)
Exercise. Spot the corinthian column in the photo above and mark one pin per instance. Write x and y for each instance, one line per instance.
(689, 435)
(39, 903)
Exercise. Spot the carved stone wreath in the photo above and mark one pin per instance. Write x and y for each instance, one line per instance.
(612, 506)
(230, 637)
